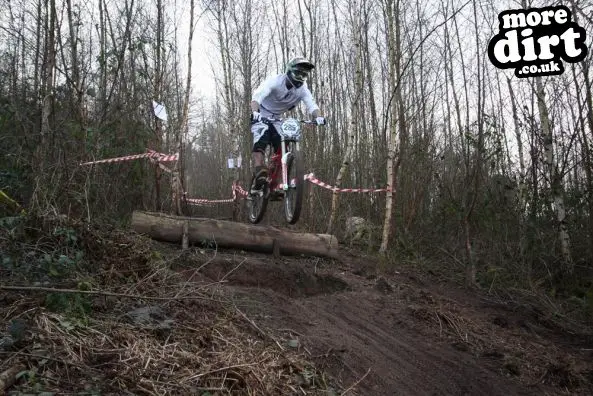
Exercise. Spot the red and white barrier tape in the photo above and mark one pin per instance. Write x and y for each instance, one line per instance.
(160, 157)
(318, 182)
(206, 202)
(239, 191)
(196, 201)
(150, 154)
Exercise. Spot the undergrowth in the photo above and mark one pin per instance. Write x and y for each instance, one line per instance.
(73, 319)
(566, 299)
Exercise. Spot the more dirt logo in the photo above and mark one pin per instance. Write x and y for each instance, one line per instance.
(536, 40)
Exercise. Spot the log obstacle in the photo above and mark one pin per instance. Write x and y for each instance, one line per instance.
(229, 234)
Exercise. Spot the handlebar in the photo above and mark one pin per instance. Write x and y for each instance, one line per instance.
(270, 120)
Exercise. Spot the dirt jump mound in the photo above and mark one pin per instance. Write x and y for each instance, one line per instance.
(285, 278)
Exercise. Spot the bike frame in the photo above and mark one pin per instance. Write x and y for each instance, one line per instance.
(278, 164)
(278, 160)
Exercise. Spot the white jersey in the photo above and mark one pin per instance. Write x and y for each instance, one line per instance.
(275, 98)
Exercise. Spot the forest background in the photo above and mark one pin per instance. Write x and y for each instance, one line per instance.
(492, 175)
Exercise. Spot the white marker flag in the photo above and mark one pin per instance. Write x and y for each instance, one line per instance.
(234, 162)
(159, 111)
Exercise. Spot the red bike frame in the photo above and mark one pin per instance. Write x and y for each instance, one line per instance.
(276, 166)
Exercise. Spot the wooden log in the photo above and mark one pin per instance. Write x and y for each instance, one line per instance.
(185, 236)
(276, 248)
(221, 233)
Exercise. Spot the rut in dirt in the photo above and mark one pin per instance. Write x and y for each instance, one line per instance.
(355, 328)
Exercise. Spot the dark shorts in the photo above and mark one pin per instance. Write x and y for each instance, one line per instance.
(270, 136)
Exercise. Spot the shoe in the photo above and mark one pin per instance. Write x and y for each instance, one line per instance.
(276, 196)
(261, 176)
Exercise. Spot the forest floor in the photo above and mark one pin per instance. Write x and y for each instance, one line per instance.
(219, 322)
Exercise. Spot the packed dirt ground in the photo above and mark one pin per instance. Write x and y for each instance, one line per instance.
(222, 322)
(402, 333)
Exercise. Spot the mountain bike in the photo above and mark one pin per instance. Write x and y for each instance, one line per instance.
(285, 180)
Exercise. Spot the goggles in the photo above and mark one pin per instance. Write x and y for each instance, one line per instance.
(300, 75)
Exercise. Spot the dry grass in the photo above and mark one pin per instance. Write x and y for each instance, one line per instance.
(112, 357)
(199, 344)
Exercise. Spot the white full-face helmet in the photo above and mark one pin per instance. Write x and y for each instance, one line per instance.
(297, 70)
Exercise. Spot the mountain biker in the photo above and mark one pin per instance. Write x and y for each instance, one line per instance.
(276, 95)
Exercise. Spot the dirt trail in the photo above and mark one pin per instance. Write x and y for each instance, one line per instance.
(399, 335)
(249, 324)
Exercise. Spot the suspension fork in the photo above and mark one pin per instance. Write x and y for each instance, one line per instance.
(284, 169)
(285, 155)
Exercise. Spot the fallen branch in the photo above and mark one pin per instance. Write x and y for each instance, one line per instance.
(356, 383)
(193, 377)
(103, 293)
(261, 332)
(195, 272)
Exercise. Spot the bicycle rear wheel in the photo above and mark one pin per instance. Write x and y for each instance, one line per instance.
(293, 199)
(257, 202)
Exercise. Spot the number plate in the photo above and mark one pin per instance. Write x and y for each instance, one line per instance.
(291, 129)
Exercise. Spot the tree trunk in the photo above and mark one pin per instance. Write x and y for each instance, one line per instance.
(475, 176)
(555, 177)
(586, 153)
(44, 149)
(522, 173)
(49, 74)
(158, 94)
(396, 112)
(184, 125)
(358, 88)
(585, 143)
(220, 233)
(76, 83)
